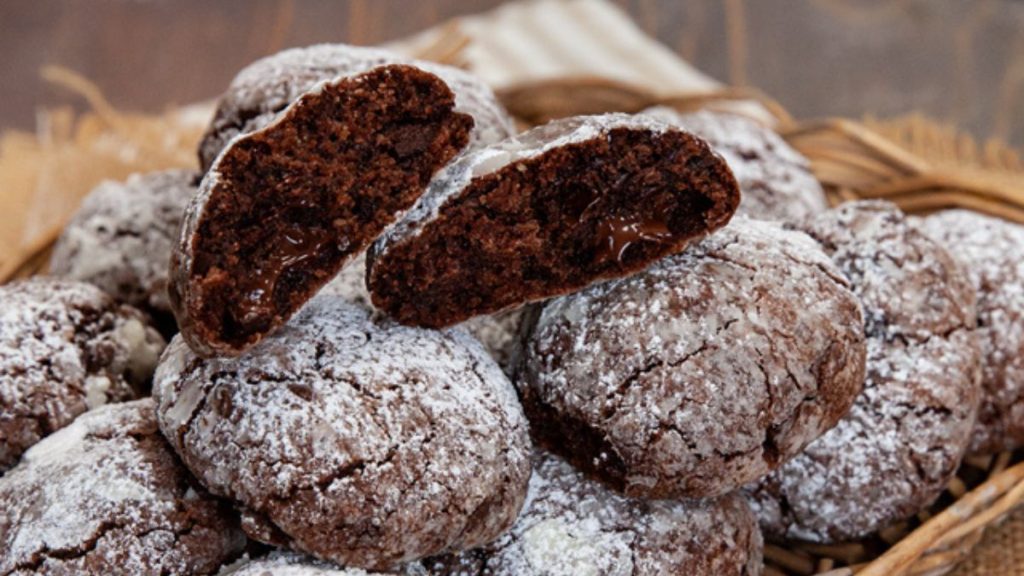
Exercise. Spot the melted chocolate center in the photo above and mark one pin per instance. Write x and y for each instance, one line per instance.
(618, 233)
(297, 246)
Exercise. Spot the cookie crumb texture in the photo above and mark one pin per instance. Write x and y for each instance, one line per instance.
(572, 525)
(499, 333)
(775, 180)
(352, 438)
(702, 373)
(989, 249)
(65, 347)
(548, 212)
(282, 209)
(121, 238)
(902, 441)
(106, 495)
(262, 90)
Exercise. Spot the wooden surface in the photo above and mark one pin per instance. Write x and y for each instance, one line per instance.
(957, 60)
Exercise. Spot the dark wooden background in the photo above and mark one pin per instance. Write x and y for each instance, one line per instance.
(957, 60)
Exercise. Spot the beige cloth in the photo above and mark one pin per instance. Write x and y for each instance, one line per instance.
(538, 40)
(544, 39)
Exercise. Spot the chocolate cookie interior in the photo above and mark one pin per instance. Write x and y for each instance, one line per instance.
(555, 222)
(291, 203)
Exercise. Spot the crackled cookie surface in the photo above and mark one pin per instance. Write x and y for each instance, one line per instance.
(775, 180)
(989, 249)
(572, 525)
(292, 564)
(352, 438)
(896, 450)
(65, 347)
(283, 208)
(106, 495)
(266, 87)
(546, 213)
(499, 333)
(702, 373)
(121, 238)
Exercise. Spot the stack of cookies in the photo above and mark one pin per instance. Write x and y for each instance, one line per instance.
(380, 332)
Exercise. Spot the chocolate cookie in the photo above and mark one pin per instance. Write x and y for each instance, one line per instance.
(775, 180)
(546, 213)
(899, 446)
(292, 564)
(65, 347)
(122, 236)
(352, 438)
(573, 526)
(702, 373)
(284, 207)
(106, 495)
(266, 87)
(497, 332)
(989, 249)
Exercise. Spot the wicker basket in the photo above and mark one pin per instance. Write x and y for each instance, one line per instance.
(913, 162)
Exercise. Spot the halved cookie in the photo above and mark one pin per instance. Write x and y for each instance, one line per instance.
(285, 207)
(546, 213)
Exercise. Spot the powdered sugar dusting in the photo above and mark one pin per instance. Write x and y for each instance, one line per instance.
(65, 347)
(105, 494)
(122, 236)
(497, 332)
(292, 564)
(775, 180)
(902, 441)
(706, 370)
(574, 526)
(989, 249)
(352, 438)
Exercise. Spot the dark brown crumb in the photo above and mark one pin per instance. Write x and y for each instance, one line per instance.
(284, 208)
(546, 213)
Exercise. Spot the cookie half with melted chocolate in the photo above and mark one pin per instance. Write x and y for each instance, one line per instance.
(283, 208)
(546, 213)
